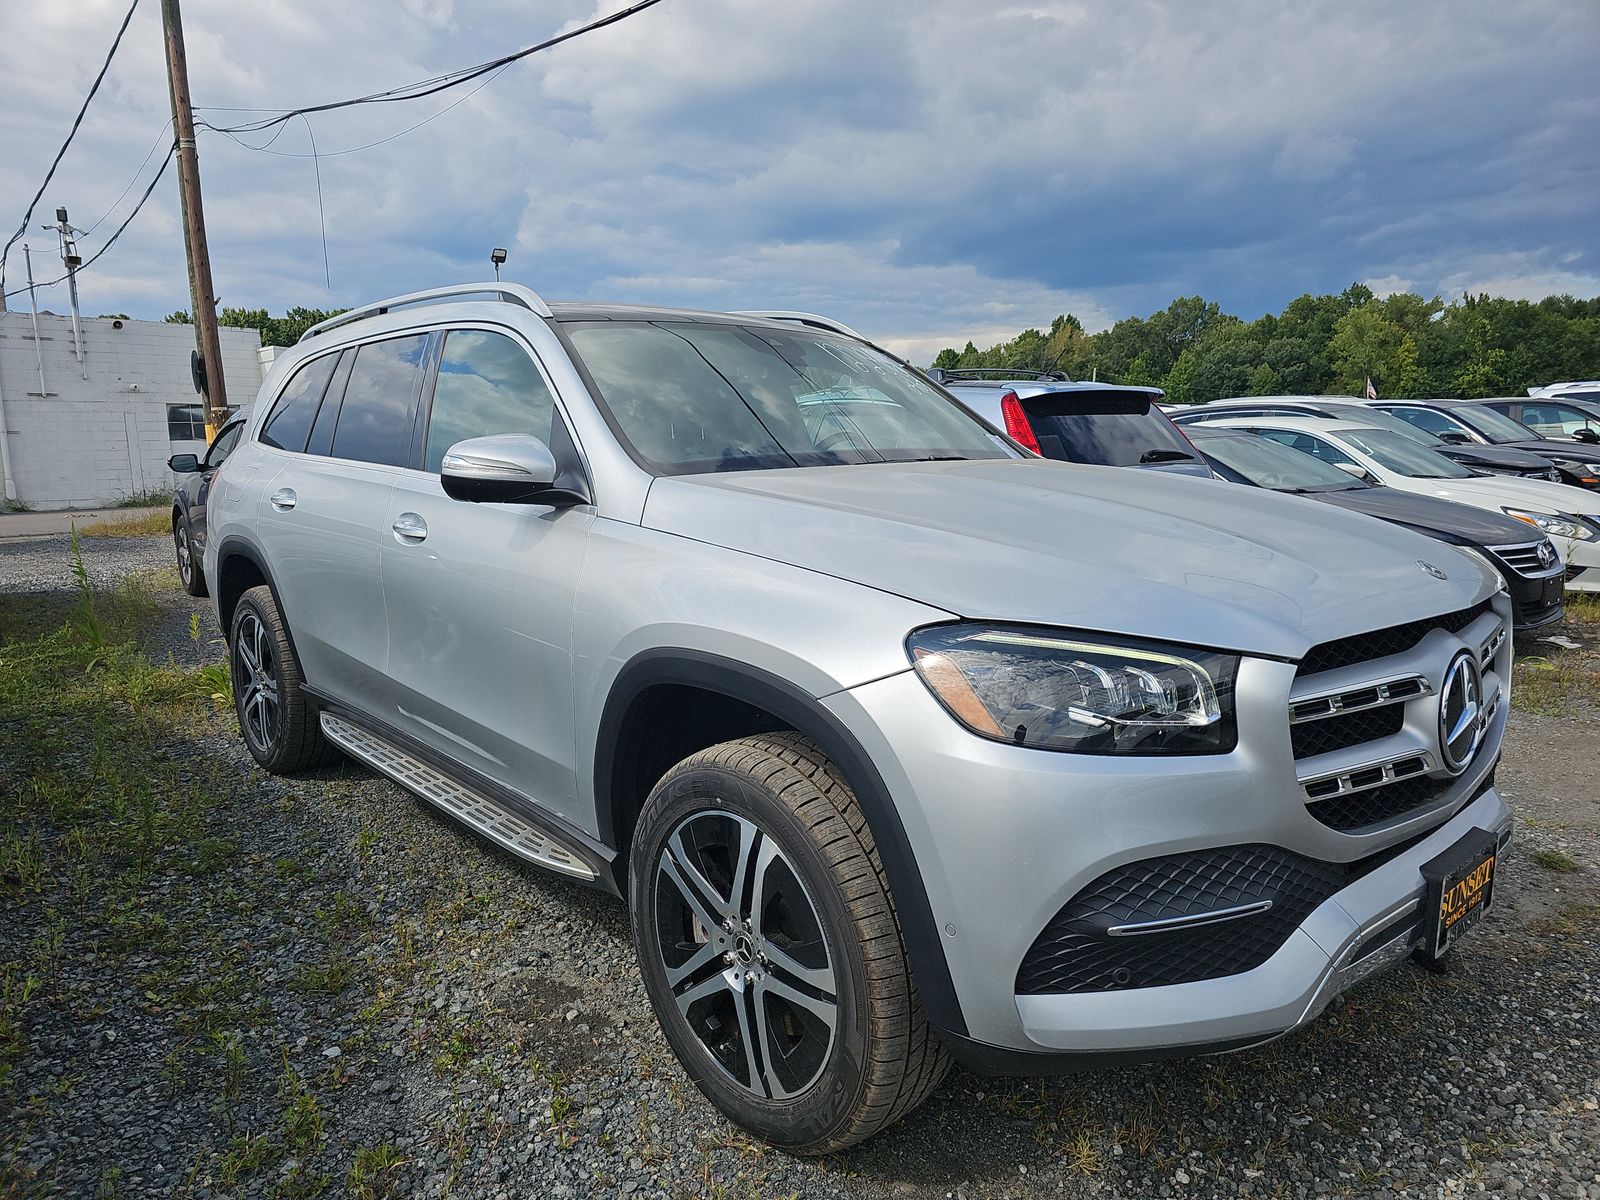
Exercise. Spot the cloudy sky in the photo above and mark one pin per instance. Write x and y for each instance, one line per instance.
(928, 172)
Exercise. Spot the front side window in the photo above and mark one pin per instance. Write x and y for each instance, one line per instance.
(380, 402)
(291, 417)
(487, 384)
(1405, 457)
(1555, 420)
(692, 397)
(223, 446)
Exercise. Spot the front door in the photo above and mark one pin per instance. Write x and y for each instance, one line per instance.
(479, 597)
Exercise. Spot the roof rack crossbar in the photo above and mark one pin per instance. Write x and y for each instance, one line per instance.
(510, 293)
(801, 318)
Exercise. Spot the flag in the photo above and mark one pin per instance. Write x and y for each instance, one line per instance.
(1372, 392)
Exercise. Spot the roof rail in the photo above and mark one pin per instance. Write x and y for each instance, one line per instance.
(939, 374)
(801, 318)
(510, 293)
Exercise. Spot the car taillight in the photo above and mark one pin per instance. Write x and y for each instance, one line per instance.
(1017, 427)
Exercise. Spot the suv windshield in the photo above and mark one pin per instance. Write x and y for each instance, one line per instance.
(692, 397)
(1403, 456)
(1273, 465)
(1497, 427)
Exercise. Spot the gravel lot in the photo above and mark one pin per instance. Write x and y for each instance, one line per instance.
(326, 986)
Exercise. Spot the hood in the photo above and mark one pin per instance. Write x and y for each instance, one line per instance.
(1564, 451)
(1494, 456)
(1139, 553)
(1502, 491)
(1448, 520)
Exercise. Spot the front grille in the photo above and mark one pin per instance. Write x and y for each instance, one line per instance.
(1346, 729)
(1359, 809)
(1074, 953)
(1524, 560)
(1381, 643)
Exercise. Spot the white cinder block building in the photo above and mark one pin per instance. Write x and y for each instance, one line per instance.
(99, 431)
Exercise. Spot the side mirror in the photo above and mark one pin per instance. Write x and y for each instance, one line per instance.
(1454, 437)
(504, 468)
(183, 464)
(1587, 436)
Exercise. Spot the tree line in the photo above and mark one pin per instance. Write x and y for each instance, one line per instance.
(275, 331)
(1321, 345)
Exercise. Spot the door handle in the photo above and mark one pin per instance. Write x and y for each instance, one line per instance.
(283, 499)
(409, 528)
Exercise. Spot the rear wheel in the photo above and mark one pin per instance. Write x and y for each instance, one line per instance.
(279, 724)
(194, 580)
(770, 947)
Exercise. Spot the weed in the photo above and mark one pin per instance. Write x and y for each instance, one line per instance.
(21, 862)
(148, 498)
(1567, 920)
(248, 1153)
(15, 992)
(375, 1173)
(235, 1065)
(302, 1116)
(1556, 860)
(325, 978)
(144, 525)
(1566, 684)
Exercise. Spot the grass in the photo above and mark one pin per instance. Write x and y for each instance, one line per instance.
(1561, 684)
(375, 1174)
(143, 525)
(149, 498)
(1557, 861)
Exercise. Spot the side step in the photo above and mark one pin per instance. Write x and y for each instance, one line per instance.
(472, 808)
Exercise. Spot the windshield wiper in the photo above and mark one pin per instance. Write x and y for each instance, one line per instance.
(1161, 456)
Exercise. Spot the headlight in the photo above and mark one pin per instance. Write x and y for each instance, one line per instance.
(1488, 562)
(1555, 524)
(1591, 468)
(1061, 690)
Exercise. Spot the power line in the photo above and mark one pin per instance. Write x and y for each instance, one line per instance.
(71, 133)
(111, 241)
(137, 171)
(439, 83)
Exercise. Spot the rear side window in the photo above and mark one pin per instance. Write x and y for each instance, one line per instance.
(291, 417)
(380, 402)
(223, 446)
(487, 384)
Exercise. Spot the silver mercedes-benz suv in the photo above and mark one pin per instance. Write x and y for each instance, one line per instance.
(901, 744)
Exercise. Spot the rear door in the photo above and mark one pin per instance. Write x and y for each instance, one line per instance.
(324, 516)
(480, 596)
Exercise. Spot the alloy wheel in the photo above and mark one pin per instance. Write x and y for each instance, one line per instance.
(255, 682)
(180, 535)
(745, 954)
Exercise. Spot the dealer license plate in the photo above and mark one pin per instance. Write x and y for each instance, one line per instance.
(1460, 890)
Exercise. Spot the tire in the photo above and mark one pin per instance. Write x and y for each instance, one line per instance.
(277, 721)
(814, 908)
(189, 572)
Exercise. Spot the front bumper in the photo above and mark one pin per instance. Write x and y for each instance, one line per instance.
(1584, 555)
(1005, 837)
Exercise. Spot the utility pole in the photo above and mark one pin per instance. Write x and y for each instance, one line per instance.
(201, 294)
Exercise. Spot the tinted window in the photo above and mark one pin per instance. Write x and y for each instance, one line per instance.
(709, 397)
(223, 446)
(1555, 420)
(487, 384)
(291, 417)
(321, 439)
(1112, 429)
(380, 401)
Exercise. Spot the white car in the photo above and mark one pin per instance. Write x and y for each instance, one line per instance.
(1563, 512)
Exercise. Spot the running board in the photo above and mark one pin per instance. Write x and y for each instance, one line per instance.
(471, 808)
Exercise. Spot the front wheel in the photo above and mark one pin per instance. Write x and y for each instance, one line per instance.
(771, 950)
